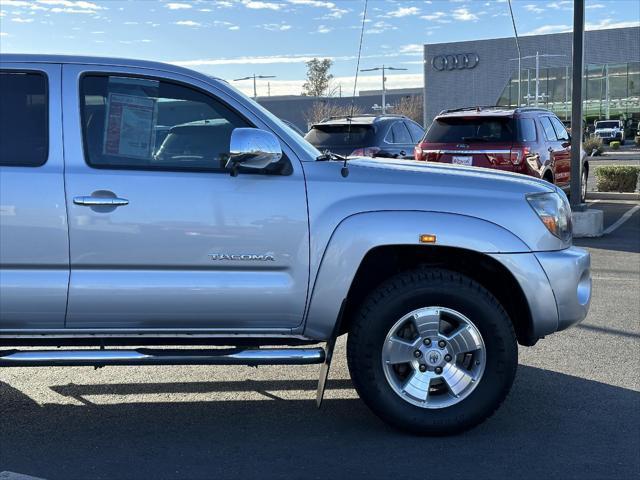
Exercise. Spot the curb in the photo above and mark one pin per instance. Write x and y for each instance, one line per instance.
(612, 196)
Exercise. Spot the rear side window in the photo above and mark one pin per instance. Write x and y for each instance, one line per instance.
(527, 130)
(561, 130)
(471, 130)
(340, 135)
(148, 124)
(416, 131)
(398, 134)
(24, 132)
(549, 132)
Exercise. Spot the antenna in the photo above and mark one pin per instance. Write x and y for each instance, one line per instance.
(345, 170)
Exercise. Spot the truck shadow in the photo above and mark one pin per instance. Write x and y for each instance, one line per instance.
(552, 426)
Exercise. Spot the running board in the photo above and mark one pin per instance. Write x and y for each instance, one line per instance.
(147, 356)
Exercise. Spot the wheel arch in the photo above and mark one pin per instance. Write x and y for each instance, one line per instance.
(388, 242)
(382, 262)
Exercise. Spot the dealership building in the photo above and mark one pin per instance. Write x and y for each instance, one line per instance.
(485, 72)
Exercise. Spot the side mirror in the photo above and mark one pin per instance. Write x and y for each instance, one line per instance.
(253, 148)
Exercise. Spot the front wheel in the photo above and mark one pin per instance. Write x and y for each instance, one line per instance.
(432, 352)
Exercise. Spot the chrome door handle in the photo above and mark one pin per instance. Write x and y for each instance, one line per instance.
(100, 201)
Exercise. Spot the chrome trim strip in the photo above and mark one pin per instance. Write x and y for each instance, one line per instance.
(145, 356)
(467, 152)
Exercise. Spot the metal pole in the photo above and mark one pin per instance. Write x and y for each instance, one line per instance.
(537, 78)
(576, 104)
(255, 92)
(515, 31)
(384, 93)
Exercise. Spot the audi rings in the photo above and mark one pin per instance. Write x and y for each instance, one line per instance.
(459, 61)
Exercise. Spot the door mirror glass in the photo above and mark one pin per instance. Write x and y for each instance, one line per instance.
(253, 148)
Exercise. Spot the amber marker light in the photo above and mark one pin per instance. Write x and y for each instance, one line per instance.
(427, 238)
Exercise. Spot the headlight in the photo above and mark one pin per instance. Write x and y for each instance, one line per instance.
(554, 211)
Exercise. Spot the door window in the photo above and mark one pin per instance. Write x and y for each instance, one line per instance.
(561, 130)
(24, 132)
(549, 132)
(399, 134)
(148, 124)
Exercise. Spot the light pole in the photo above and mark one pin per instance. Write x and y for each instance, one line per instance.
(576, 104)
(254, 76)
(384, 82)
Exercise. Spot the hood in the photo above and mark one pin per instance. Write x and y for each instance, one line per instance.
(453, 175)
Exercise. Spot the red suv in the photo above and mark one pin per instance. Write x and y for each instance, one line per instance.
(525, 140)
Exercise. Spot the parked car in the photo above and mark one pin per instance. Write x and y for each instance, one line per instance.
(610, 130)
(527, 140)
(387, 136)
(236, 232)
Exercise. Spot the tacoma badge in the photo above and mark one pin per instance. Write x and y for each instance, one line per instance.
(243, 257)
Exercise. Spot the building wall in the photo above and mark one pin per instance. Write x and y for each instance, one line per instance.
(483, 84)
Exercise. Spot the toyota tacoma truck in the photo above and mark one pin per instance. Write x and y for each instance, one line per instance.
(152, 215)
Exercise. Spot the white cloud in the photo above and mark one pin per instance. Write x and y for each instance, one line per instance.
(324, 29)
(412, 48)
(224, 4)
(433, 16)
(72, 4)
(546, 29)
(234, 27)
(404, 12)
(188, 23)
(464, 15)
(22, 20)
(533, 8)
(4, 34)
(266, 60)
(259, 5)
(380, 27)
(178, 6)
(275, 27)
(608, 23)
(314, 3)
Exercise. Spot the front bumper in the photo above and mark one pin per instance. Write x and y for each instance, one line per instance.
(556, 284)
(569, 273)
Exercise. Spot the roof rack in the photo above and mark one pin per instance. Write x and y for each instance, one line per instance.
(479, 108)
(360, 115)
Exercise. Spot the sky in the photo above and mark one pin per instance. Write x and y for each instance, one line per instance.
(237, 38)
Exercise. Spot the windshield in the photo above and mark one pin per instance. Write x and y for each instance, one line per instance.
(340, 135)
(471, 130)
(607, 124)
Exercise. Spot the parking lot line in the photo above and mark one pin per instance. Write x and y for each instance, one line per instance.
(611, 228)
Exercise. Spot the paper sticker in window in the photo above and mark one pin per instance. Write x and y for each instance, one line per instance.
(130, 126)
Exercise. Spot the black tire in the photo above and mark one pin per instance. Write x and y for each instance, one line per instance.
(410, 291)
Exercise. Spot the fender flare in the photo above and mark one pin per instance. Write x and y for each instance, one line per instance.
(356, 235)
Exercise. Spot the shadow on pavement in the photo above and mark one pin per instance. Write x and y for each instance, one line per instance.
(552, 426)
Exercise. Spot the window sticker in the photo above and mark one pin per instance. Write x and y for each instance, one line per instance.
(130, 126)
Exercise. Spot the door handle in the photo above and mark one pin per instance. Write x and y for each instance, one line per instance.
(100, 201)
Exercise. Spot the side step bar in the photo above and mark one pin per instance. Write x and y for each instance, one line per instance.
(147, 356)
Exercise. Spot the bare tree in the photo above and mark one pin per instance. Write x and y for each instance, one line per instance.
(326, 109)
(319, 80)
(409, 106)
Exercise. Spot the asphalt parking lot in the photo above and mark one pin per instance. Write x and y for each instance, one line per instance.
(574, 411)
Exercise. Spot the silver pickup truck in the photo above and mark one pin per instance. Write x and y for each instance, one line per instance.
(143, 204)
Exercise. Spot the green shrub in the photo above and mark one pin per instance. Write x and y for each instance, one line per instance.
(637, 140)
(617, 178)
(593, 145)
(614, 145)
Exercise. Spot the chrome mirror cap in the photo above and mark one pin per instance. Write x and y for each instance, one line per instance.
(253, 148)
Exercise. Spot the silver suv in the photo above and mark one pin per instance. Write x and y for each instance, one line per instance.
(146, 204)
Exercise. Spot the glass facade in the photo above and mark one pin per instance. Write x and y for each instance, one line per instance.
(610, 91)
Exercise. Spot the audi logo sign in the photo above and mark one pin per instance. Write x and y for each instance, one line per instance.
(458, 61)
